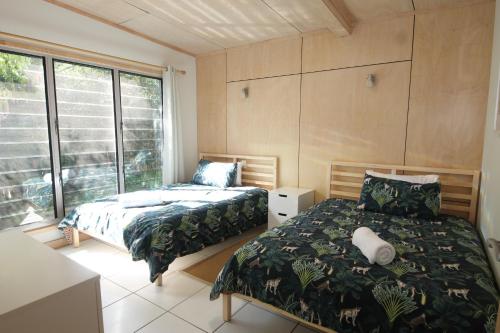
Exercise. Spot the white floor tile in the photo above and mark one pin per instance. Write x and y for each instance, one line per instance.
(176, 288)
(129, 314)
(100, 258)
(84, 244)
(253, 319)
(202, 312)
(131, 275)
(111, 292)
(168, 323)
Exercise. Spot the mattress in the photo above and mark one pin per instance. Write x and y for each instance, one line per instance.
(439, 281)
(191, 218)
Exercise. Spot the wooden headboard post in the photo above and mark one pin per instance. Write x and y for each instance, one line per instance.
(259, 171)
(459, 188)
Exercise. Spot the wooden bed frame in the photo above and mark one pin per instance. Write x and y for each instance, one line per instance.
(258, 171)
(460, 190)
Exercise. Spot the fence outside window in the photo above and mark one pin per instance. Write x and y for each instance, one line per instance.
(71, 133)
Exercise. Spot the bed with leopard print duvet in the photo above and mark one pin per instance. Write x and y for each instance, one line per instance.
(440, 280)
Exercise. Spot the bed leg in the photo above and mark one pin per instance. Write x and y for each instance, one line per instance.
(76, 238)
(159, 280)
(226, 307)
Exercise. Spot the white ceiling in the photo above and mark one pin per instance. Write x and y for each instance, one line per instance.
(201, 26)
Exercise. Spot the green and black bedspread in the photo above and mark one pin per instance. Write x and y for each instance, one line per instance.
(440, 280)
(193, 216)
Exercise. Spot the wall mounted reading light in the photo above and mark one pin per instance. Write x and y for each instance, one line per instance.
(245, 92)
(370, 80)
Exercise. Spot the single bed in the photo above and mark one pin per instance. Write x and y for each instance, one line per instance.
(309, 270)
(189, 218)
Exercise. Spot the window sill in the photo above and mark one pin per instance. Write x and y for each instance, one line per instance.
(39, 226)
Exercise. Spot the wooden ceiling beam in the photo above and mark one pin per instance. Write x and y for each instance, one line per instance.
(341, 14)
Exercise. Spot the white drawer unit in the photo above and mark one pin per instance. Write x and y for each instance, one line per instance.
(287, 202)
(43, 291)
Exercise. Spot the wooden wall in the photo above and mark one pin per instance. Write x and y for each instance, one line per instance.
(211, 101)
(343, 119)
(266, 59)
(309, 103)
(450, 80)
(267, 122)
(369, 43)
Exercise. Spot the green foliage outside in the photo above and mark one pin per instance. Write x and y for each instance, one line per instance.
(12, 67)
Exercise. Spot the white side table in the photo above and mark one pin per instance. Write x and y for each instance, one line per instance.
(287, 202)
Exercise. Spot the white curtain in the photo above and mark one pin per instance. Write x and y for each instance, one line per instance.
(172, 157)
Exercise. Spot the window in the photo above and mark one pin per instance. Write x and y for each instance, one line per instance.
(60, 140)
(85, 113)
(142, 131)
(26, 191)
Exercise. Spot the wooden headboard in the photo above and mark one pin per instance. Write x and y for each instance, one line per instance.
(459, 188)
(259, 171)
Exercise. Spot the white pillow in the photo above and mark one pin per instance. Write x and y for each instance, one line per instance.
(423, 179)
(237, 179)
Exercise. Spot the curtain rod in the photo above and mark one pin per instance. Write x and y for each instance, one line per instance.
(41, 47)
(180, 71)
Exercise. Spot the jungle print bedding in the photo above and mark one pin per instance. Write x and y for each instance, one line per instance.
(402, 198)
(439, 281)
(193, 217)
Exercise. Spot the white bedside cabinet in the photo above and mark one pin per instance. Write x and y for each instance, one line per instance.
(287, 202)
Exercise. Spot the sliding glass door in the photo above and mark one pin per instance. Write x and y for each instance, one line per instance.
(141, 101)
(87, 137)
(26, 190)
(73, 133)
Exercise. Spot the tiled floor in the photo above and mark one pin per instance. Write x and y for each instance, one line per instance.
(132, 304)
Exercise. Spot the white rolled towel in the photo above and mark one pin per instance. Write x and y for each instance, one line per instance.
(373, 247)
(140, 199)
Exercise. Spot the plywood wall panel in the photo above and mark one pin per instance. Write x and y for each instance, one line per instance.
(449, 87)
(211, 102)
(435, 4)
(267, 122)
(370, 43)
(265, 59)
(343, 119)
(362, 9)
